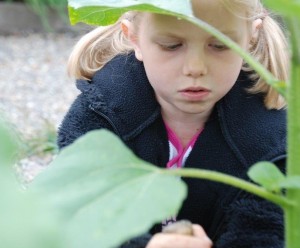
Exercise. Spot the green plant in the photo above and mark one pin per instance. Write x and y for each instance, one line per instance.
(43, 143)
(84, 185)
(25, 219)
(108, 12)
(43, 7)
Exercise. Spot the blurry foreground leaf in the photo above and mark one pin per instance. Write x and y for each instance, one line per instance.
(95, 12)
(24, 221)
(105, 193)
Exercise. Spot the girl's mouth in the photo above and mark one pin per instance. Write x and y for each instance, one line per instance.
(195, 93)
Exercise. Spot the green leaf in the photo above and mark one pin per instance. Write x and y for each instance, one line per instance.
(290, 8)
(95, 12)
(290, 182)
(105, 193)
(24, 222)
(267, 175)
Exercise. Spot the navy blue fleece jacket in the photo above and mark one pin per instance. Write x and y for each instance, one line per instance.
(240, 132)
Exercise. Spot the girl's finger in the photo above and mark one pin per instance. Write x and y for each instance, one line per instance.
(198, 230)
(162, 240)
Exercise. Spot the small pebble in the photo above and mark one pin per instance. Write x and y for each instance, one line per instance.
(183, 227)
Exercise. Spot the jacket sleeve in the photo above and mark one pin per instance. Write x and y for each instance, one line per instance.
(252, 222)
(79, 120)
(138, 242)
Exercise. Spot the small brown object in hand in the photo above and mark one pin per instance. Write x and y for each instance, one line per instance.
(180, 227)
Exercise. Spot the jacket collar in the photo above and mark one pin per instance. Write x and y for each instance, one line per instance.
(250, 129)
(121, 91)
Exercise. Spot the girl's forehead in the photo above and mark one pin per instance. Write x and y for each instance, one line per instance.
(213, 13)
(219, 9)
(202, 7)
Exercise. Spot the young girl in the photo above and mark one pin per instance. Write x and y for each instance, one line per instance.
(179, 97)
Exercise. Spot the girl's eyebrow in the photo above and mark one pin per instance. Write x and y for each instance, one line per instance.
(167, 34)
(230, 33)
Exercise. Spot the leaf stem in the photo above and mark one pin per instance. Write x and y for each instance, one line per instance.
(292, 214)
(233, 181)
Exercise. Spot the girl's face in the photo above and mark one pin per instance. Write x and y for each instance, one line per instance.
(189, 69)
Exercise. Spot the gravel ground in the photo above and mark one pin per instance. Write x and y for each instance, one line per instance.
(35, 91)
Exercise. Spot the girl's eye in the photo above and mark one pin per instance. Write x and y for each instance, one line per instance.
(218, 46)
(171, 47)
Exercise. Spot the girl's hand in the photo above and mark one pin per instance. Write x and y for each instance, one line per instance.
(179, 237)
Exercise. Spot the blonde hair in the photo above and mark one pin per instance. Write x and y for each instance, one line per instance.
(270, 48)
(96, 48)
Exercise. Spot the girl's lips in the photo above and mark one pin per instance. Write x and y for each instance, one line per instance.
(195, 93)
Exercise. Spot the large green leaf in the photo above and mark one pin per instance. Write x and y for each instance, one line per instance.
(96, 12)
(105, 193)
(24, 221)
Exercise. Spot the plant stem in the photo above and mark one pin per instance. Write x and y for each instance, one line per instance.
(233, 181)
(292, 213)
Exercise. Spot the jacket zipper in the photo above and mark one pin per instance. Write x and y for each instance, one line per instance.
(107, 119)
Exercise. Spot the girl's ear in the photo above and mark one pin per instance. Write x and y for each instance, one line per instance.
(256, 26)
(129, 32)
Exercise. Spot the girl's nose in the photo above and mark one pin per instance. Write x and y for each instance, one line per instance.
(194, 66)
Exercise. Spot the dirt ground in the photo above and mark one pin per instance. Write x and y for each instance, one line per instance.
(35, 91)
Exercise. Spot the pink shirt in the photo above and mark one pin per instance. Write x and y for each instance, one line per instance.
(178, 154)
(177, 157)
